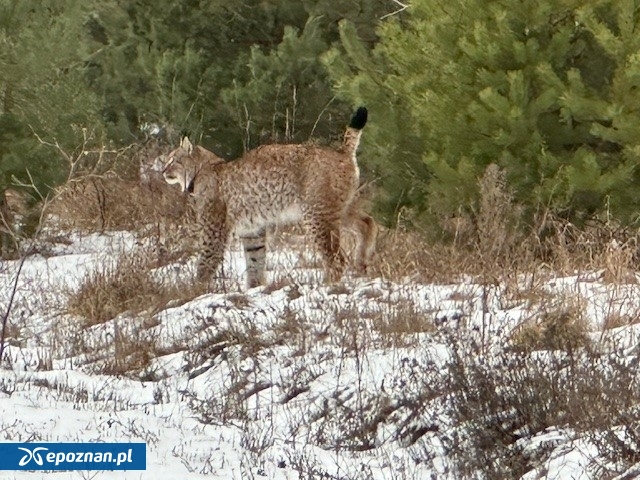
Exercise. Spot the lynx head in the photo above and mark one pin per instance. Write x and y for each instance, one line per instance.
(181, 168)
(185, 162)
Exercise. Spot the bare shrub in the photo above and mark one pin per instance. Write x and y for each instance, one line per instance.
(13, 209)
(497, 220)
(499, 401)
(495, 401)
(608, 415)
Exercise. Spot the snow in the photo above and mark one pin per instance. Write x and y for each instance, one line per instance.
(304, 380)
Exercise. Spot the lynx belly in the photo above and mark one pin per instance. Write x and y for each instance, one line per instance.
(253, 224)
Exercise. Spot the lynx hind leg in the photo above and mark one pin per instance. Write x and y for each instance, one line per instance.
(366, 231)
(255, 253)
(214, 241)
(325, 233)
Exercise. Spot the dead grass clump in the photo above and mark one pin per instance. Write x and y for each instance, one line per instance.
(616, 320)
(127, 193)
(398, 323)
(114, 288)
(403, 252)
(595, 245)
(619, 261)
(133, 352)
(483, 240)
(494, 238)
(126, 284)
(563, 328)
(161, 217)
(292, 324)
(339, 289)
(110, 202)
(286, 283)
(239, 300)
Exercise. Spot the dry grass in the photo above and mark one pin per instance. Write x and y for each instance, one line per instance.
(491, 244)
(127, 284)
(563, 326)
(133, 352)
(486, 244)
(110, 202)
(129, 196)
(616, 320)
(399, 323)
(495, 244)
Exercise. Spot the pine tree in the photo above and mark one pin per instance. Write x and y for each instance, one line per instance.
(43, 90)
(233, 75)
(285, 91)
(545, 89)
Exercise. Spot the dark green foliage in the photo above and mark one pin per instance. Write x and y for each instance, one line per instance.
(547, 90)
(43, 91)
(233, 75)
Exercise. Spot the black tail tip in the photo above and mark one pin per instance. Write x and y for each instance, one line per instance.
(359, 119)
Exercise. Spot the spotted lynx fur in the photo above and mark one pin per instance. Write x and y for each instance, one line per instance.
(276, 185)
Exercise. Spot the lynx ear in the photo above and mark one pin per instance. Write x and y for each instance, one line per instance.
(186, 145)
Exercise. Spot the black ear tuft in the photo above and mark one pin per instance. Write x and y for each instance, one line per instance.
(359, 119)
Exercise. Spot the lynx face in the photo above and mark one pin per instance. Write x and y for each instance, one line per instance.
(180, 168)
(186, 162)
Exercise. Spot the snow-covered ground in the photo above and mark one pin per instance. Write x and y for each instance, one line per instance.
(297, 380)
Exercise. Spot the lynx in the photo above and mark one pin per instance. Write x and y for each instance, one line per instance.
(276, 185)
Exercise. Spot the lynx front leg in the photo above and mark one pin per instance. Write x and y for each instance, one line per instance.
(215, 237)
(255, 256)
